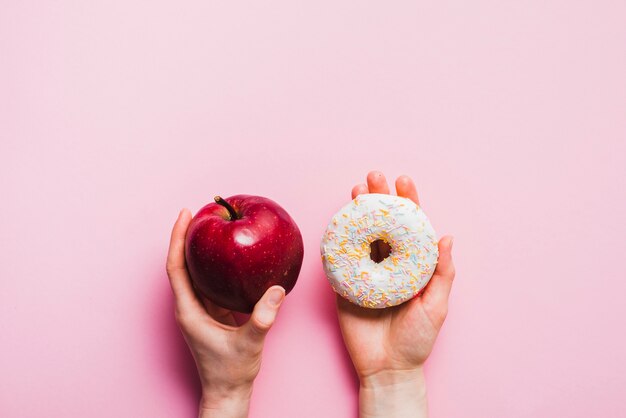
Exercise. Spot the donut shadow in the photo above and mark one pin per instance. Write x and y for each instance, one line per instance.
(326, 307)
(170, 348)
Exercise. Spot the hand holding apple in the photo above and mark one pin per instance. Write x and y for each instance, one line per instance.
(237, 248)
(228, 357)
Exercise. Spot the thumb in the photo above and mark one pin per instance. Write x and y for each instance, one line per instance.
(438, 289)
(264, 313)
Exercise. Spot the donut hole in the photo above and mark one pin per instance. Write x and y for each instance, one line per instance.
(379, 250)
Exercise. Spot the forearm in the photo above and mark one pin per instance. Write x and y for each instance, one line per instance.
(231, 404)
(396, 394)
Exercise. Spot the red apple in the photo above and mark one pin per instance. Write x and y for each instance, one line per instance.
(237, 248)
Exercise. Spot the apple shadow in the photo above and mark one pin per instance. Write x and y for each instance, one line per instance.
(171, 349)
(325, 301)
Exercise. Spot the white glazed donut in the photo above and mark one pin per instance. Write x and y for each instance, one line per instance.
(346, 248)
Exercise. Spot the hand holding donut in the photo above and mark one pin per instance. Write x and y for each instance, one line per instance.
(389, 346)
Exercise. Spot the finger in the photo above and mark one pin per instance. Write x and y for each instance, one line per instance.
(377, 183)
(264, 314)
(359, 189)
(176, 269)
(406, 188)
(437, 291)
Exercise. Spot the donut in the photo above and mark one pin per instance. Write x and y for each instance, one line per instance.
(346, 250)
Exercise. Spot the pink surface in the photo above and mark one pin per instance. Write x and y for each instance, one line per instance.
(509, 115)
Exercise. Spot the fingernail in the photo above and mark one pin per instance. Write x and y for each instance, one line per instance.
(180, 213)
(276, 296)
(451, 242)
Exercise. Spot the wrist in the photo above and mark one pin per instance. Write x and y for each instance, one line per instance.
(390, 378)
(232, 402)
(393, 393)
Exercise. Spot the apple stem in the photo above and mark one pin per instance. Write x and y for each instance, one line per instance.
(231, 211)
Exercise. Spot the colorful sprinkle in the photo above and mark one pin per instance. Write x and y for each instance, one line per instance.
(346, 250)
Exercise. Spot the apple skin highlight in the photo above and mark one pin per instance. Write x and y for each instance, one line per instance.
(233, 260)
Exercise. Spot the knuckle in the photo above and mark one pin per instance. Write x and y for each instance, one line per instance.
(173, 269)
(183, 319)
(260, 327)
(180, 318)
(438, 313)
(452, 272)
(441, 315)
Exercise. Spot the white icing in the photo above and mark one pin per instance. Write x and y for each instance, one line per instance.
(345, 249)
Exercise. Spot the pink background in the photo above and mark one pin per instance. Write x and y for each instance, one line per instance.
(510, 115)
